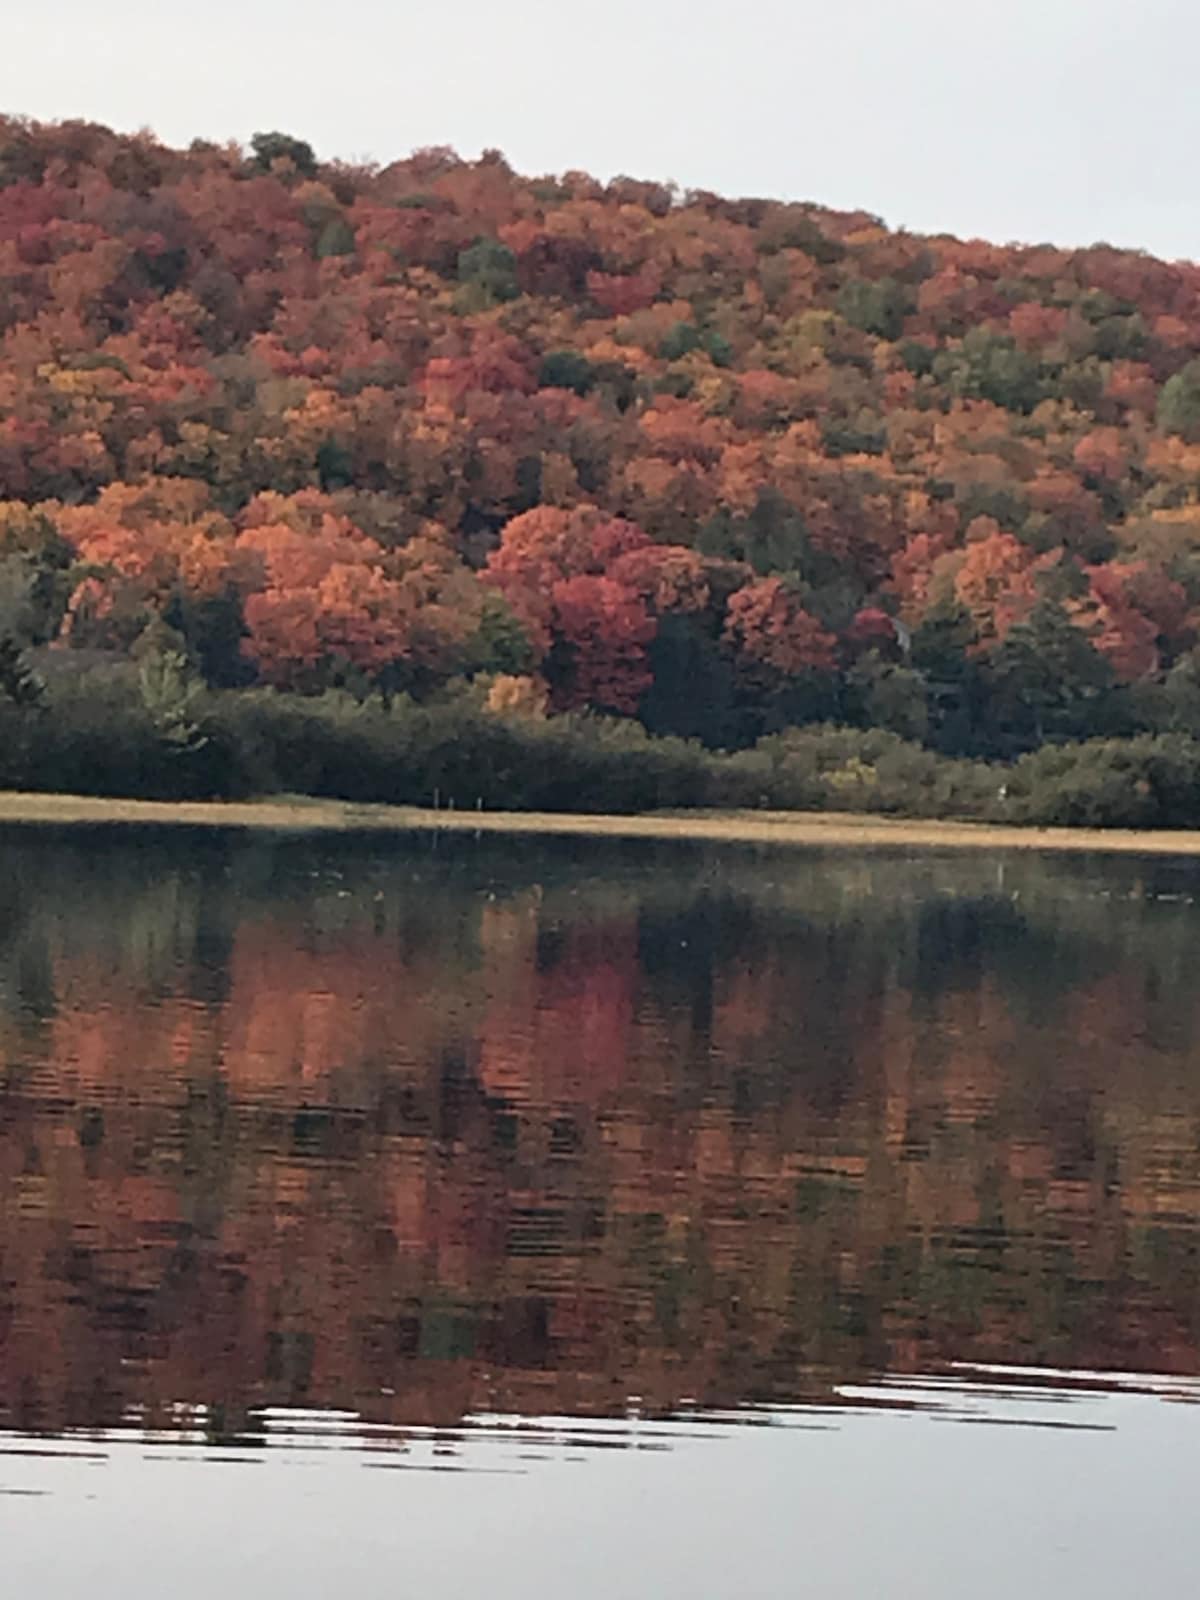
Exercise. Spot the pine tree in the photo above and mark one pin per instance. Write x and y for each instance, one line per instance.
(19, 684)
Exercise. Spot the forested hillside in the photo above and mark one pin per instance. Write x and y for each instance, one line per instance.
(543, 445)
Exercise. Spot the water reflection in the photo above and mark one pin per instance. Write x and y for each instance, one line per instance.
(419, 1132)
(985, 1483)
(989, 1395)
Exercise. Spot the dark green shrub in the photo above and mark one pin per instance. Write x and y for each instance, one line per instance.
(1146, 782)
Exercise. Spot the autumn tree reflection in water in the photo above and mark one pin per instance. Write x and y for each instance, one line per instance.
(420, 1130)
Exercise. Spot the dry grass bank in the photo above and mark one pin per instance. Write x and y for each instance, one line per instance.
(832, 830)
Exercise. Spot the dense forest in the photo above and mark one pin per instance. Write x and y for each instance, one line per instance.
(291, 447)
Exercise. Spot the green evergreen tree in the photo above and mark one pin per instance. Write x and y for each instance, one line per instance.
(1046, 681)
(19, 684)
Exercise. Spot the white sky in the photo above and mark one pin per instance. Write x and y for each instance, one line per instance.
(1066, 120)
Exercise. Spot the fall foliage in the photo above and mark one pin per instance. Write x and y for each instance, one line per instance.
(300, 1124)
(435, 424)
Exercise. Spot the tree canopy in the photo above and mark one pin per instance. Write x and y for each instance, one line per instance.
(322, 420)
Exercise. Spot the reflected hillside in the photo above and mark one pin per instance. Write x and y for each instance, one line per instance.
(427, 1129)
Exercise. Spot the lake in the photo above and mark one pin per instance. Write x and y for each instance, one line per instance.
(494, 1217)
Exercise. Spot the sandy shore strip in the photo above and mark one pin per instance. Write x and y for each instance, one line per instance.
(832, 830)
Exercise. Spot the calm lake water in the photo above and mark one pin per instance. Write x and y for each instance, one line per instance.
(491, 1218)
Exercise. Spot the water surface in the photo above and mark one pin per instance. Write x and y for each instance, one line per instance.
(515, 1217)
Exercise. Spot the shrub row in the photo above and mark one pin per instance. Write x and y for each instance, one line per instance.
(104, 736)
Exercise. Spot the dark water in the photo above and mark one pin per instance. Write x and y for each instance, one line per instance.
(486, 1218)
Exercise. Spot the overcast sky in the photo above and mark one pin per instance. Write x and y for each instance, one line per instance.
(1066, 120)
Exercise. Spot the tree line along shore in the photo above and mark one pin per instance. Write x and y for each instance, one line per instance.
(122, 742)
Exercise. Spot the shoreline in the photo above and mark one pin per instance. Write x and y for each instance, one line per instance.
(838, 830)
